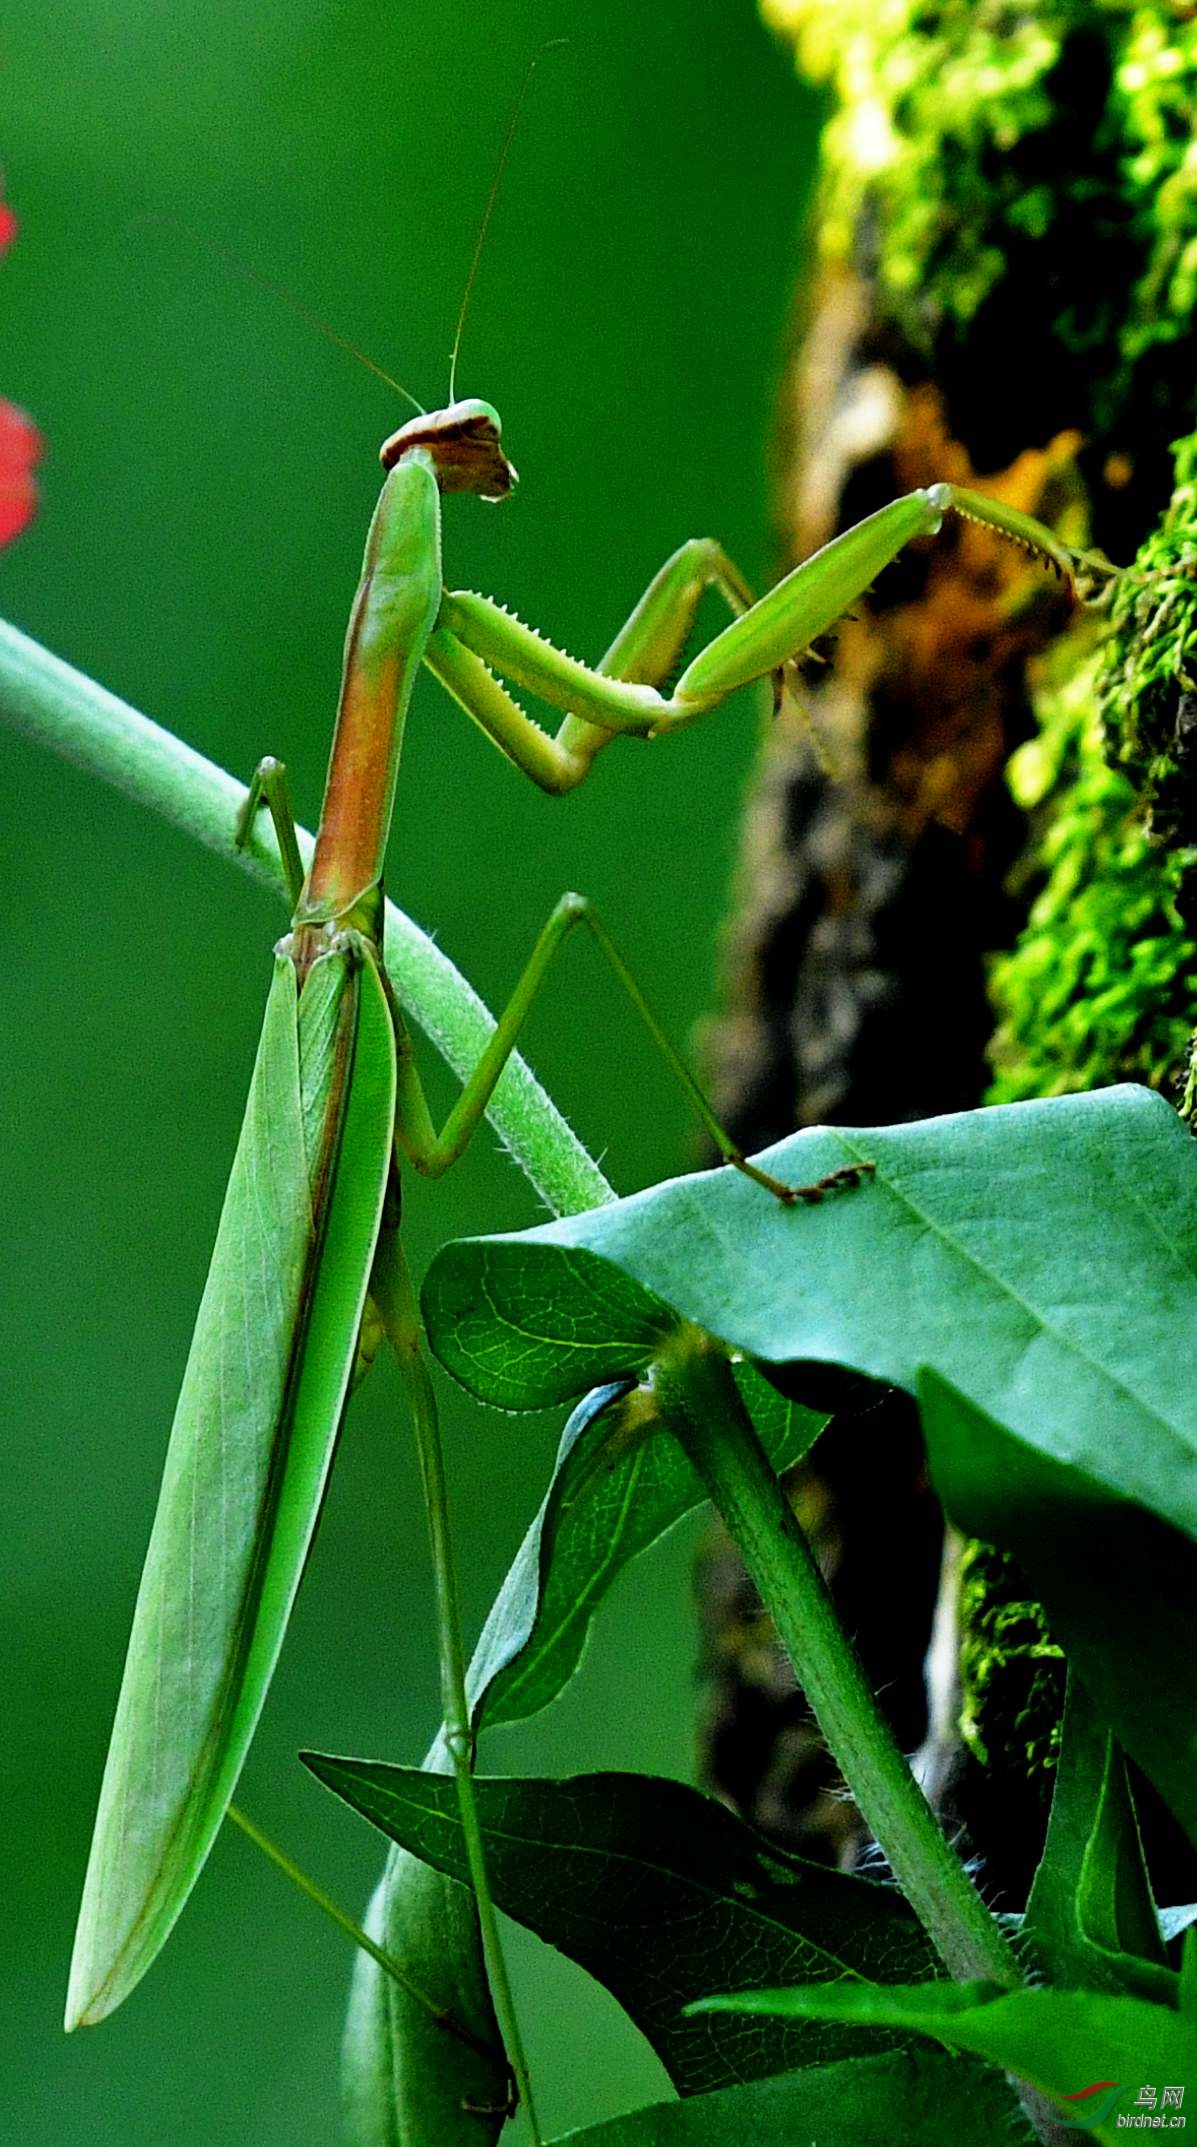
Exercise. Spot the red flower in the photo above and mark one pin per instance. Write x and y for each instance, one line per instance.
(20, 441)
(20, 446)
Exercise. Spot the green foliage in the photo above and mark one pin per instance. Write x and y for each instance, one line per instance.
(1099, 986)
(616, 1488)
(618, 1485)
(1091, 1921)
(658, 1892)
(903, 2097)
(967, 1233)
(1011, 1670)
(951, 166)
(1058, 2040)
(1055, 1398)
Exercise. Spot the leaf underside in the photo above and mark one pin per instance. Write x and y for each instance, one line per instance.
(1111, 1577)
(906, 2098)
(650, 1886)
(1090, 1920)
(616, 1489)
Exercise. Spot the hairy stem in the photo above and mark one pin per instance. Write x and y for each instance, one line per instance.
(55, 706)
(700, 1401)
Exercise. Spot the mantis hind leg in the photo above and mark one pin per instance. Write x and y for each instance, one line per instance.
(269, 787)
(432, 1153)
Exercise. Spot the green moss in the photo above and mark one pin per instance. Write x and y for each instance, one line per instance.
(1147, 679)
(930, 100)
(1100, 985)
(1011, 1671)
(1019, 171)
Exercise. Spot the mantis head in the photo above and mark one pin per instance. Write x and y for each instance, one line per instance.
(465, 443)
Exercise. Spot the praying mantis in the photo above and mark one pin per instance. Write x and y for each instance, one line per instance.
(309, 1251)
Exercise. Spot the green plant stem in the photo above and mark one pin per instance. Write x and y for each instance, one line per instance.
(328, 1907)
(394, 1293)
(55, 706)
(699, 1399)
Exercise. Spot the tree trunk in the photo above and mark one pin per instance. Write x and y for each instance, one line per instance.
(1003, 296)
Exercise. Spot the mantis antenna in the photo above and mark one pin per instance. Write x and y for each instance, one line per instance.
(233, 262)
(549, 45)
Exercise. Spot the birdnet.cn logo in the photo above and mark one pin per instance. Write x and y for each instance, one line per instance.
(1144, 2109)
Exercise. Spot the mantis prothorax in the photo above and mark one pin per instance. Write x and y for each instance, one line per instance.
(310, 1222)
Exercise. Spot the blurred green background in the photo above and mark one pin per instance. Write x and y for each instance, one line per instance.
(209, 475)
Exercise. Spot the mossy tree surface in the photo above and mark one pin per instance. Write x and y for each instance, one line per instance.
(1004, 296)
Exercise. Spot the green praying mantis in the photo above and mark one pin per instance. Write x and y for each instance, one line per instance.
(309, 1249)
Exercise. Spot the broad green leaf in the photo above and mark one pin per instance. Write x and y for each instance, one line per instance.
(600, 1326)
(1062, 2041)
(1119, 1587)
(408, 2079)
(904, 2098)
(1042, 1257)
(1091, 1920)
(615, 1490)
(249, 1454)
(656, 1891)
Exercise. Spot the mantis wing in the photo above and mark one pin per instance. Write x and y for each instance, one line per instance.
(250, 1449)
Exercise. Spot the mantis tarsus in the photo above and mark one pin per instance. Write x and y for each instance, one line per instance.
(310, 1225)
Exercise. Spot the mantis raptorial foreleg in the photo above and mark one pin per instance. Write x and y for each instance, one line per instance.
(644, 652)
(652, 638)
(474, 639)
